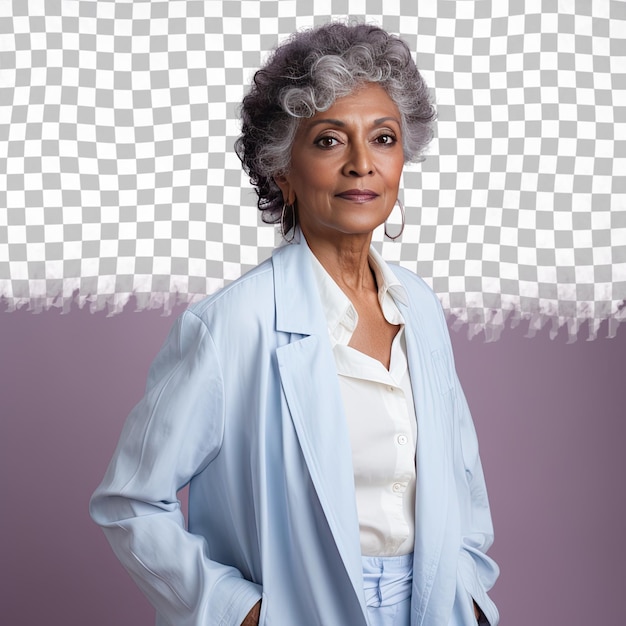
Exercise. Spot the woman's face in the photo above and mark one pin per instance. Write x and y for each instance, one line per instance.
(346, 164)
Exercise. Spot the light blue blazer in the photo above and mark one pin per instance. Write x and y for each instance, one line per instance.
(243, 403)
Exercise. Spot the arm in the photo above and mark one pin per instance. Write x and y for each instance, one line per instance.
(252, 619)
(477, 571)
(173, 433)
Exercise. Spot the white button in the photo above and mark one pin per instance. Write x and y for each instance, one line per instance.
(402, 439)
(390, 388)
(398, 487)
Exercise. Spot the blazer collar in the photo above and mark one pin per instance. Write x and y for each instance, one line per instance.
(298, 306)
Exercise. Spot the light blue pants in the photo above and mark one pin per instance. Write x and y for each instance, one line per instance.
(388, 581)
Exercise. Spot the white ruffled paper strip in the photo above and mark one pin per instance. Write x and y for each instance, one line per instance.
(118, 180)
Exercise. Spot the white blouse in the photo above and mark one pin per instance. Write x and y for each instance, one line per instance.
(380, 413)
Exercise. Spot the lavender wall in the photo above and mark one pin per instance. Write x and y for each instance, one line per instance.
(550, 416)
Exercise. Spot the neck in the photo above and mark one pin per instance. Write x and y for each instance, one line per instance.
(346, 260)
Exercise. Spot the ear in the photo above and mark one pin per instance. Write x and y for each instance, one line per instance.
(289, 195)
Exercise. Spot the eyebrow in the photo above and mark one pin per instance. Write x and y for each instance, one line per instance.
(327, 120)
(335, 122)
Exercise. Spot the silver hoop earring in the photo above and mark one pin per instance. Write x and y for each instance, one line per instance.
(394, 237)
(293, 222)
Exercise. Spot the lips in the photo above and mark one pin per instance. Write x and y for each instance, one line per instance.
(358, 195)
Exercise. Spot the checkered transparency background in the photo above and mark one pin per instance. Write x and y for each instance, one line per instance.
(118, 176)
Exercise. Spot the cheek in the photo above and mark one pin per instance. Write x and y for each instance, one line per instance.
(391, 167)
(318, 179)
(393, 177)
(399, 169)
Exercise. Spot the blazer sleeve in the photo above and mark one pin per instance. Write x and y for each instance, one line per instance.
(476, 570)
(173, 433)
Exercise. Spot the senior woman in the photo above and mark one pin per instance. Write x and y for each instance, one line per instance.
(312, 405)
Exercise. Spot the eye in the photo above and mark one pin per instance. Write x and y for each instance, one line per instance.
(385, 139)
(327, 142)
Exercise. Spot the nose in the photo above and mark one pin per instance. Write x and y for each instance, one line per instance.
(359, 160)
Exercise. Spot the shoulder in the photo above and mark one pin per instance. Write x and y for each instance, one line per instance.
(256, 282)
(424, 305)
(417, 288)
(426, 317)
(243, 304)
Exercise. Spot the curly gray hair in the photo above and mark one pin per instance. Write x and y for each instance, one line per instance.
(307, 74)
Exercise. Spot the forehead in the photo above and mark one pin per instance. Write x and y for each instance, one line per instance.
(368, 102)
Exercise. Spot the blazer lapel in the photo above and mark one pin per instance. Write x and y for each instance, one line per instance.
(309, 379)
